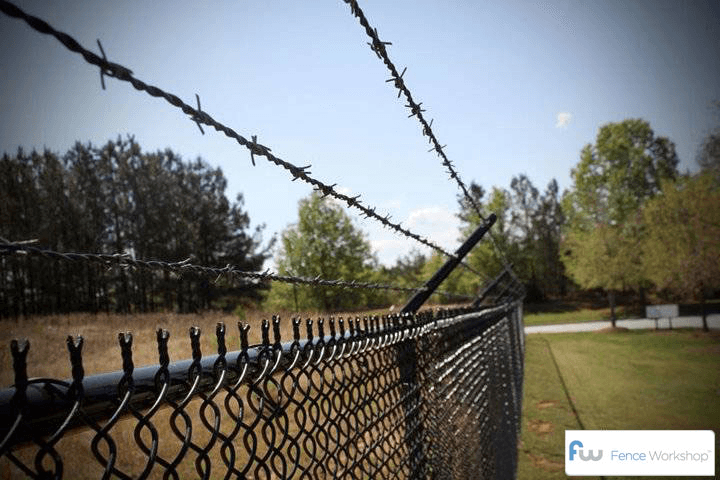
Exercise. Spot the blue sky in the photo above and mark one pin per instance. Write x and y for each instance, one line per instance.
(513, 87)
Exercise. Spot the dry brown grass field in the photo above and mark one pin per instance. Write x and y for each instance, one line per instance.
(48, 356)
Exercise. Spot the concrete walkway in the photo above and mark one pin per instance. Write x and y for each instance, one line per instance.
(633, 324)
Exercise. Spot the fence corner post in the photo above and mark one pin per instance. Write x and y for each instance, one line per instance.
(408, 358)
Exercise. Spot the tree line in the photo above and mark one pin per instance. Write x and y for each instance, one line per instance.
(326, 243)
(630, 222)
(118, 199)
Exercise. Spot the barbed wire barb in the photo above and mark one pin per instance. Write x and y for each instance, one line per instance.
(196, 118)
(108, 68)
(398, 82)
(102, 72)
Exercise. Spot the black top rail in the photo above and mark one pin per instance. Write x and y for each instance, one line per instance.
(44, 404)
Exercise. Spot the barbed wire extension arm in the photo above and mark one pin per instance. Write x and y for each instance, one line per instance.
(229, 271)
(201, 117)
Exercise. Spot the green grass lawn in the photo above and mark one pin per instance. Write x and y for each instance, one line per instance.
(632, 380)
(576, 316)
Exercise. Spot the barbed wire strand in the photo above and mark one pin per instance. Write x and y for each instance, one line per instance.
(8, 247)
(416, 110)
(201, 117)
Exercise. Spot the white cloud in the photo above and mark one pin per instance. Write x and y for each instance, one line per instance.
(389, 247)
(562, 119)
(437, 224)
(429, 216)
(343, 190)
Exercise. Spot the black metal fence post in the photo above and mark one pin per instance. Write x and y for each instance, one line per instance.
(408, 359)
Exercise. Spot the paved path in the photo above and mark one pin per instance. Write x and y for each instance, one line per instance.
(633, 324)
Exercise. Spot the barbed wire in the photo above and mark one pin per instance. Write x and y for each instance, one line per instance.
(201, 117)
(125, 260)
(416, 110)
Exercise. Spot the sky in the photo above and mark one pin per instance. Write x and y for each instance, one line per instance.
(513, 87)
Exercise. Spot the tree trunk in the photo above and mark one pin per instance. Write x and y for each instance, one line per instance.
(642, 297)
(703, 309)
(167, 295)
(180, 298)
(611, 298)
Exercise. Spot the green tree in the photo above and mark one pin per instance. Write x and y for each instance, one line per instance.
(605, 258)
(324, 243)
(492, 253)
(524, 205)
(548, 224)
(489, 256)
(408, 271)
(526, 235)
(682, 250)
(536, 221)
(708, 157)
(614, 178)
(118, 199)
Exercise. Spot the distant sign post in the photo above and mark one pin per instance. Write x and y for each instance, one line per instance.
(657, 312)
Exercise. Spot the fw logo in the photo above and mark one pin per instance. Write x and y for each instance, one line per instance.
(590, 455)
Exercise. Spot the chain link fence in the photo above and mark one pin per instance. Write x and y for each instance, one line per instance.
(432, 395)
(429, 395)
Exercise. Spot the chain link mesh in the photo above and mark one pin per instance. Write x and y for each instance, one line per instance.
(434, 395)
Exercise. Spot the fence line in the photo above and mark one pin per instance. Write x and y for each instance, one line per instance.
(324, 406)
(201, 117)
